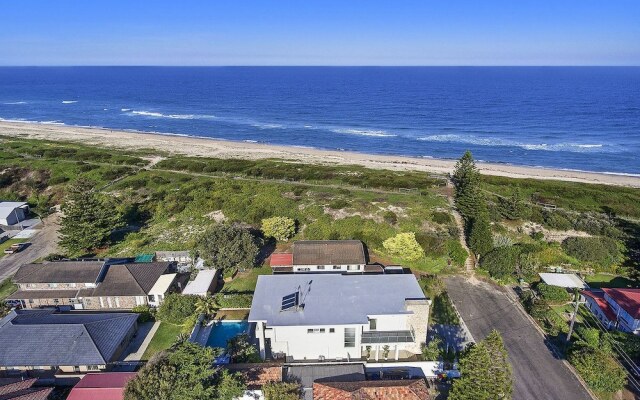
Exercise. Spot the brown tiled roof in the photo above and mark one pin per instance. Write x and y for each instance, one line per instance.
(328, 252)
(130, 279)
(256, 375)
(373, 268)
(44, 294)
(412, 389)
(17, 389)
(59, 272)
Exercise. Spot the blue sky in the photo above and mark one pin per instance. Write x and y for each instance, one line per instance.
(328, 32)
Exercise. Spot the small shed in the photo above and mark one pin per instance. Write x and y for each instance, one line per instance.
(12, 212)
(568, 281)
(205, 282)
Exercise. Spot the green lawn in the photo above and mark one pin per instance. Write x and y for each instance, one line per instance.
(8, 244)
(162, 340)
(611, 281)
(246, 281)
(6, 288)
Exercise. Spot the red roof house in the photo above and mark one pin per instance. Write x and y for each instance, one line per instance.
(628, 299)
(282, 262)
(410, 389)
(103, 386)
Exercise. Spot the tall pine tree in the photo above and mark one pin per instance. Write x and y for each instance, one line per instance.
(485, 372)
(466, 182)
(87, 221)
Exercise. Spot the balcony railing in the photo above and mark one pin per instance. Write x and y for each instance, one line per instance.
(378, 337)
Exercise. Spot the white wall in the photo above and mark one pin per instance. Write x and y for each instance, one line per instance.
(295, 341)
(329, 268)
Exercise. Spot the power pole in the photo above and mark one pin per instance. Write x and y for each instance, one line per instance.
(573, 318)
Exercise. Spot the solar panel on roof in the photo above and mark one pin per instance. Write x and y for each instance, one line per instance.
(290, 301)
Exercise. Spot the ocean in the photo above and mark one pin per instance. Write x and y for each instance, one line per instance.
(582, 118)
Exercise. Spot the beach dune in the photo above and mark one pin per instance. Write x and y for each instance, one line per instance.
(192, 146)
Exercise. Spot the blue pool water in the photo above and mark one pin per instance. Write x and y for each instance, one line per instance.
(225, 330)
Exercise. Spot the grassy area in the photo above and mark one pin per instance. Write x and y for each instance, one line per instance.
(6, 288)
(610, 281)
(246, 281)
(7, 244)
(162, 340)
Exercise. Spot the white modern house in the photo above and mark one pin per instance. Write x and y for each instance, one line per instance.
(12, 212)
(160, 289)
(321, 256)
(339, 317)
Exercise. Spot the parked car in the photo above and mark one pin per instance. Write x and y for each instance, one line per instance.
(15, 248)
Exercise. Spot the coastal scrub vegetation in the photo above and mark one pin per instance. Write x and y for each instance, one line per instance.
(170, 205)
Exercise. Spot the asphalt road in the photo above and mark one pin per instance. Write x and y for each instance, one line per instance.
(43, 243)
(538, 374)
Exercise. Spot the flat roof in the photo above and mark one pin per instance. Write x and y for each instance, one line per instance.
(163, 284)
(332, 299)
(563, 280)
(281, 260)
(201, 283)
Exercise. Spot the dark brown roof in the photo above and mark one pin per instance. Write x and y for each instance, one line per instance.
(44, 294)
(411, 389)
(328, 252)
(130, 279)
(59, 272)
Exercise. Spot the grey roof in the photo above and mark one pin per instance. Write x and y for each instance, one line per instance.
(202, 283)
(331, 299)
(48, 338)
(130, 279)
(307, 374)
(7, 207)
(59, 272)
(328, 252)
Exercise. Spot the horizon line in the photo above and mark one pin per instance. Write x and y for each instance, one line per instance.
(318, 66)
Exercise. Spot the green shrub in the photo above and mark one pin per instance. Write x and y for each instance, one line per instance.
(405, 246)
(599, 369)
(234, 300)
(456, 252)
(501, 262)
(440, 217)
(390, 217)
(338, 204)
(176, 308)
(553, 294)
(280, 228)
(145, 313)
(599, 251)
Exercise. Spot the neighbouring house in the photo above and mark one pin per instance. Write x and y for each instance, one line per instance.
(183, 258)
(409, 389)
(101, 386)
(339, 317)
(307, 374)
(318, 256)
(23, 389)
(73, 341)
(12, 212)
(567, 281)
(94, 285)
(255, 376)
(205, 282)
(615, 308)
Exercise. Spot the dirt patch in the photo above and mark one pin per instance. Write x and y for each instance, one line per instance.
(550, 235)
(217, 216)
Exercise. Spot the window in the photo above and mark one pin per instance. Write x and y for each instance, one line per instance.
(56, 301)
(320, 266)
(316, 330)
(372, 324)
(93, 368)
(332, 330)
(53, 285)
(336, 267)
(304, 269)
(152, 298)
(353, 267)
(72, 285)
(349, 337)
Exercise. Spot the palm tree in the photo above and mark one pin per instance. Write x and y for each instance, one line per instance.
(207, 305)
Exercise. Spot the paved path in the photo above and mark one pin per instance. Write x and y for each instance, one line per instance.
(43, 243)
(139, 344)
(538, 373)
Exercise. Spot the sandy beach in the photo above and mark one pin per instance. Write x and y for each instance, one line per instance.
(192, 146)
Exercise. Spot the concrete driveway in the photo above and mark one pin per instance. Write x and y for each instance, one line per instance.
(537, 372)
(43, 243)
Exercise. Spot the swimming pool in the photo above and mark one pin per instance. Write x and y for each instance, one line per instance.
(224, 330)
